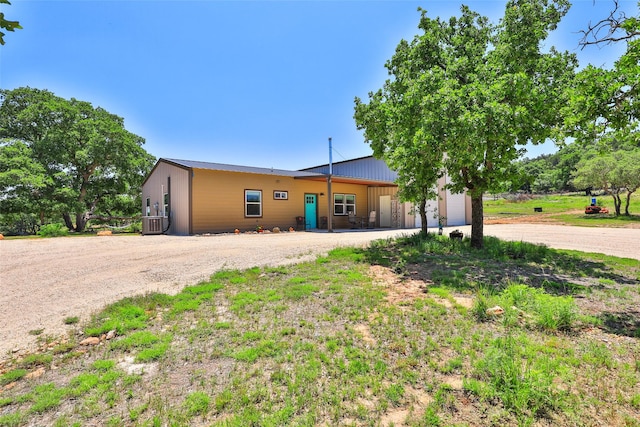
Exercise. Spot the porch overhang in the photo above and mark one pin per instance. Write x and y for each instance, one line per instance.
(348, 180)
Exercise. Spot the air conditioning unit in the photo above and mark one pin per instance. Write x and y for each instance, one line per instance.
(152, 225)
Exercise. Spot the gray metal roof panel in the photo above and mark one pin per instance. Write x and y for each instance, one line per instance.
(243, 169)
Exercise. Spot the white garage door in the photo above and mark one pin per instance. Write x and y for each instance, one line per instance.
(432, 213)
(432, 217)
(455, 209)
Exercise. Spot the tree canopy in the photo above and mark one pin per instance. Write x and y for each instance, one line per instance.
(617, 173)
(65, 157)
(464, 96)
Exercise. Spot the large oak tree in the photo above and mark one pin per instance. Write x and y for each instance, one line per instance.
(65, 157)
(466, 96)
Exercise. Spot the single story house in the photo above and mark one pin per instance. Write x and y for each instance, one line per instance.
(186, 197)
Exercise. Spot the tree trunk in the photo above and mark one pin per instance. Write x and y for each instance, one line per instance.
(81, 221)
(617, 203)
(423, 216)
(477, 221)
(67, 221)
(626, 205)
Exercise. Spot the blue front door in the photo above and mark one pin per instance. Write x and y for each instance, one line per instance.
(310, 210)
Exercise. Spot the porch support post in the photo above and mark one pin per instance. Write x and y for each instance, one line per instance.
(329, 194)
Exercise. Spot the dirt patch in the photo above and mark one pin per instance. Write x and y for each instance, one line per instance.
(398, 291)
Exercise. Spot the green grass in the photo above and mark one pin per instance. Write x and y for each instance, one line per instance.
(322, 343)
(11, 376)
(557, 208)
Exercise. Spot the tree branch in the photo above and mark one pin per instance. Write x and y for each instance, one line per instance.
(606, 31)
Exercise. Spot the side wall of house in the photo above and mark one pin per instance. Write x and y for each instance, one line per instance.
(374, 205)
(173, 180)
(218, 203)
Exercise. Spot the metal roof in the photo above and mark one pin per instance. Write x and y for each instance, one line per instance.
(318, 175)
(365, 168)
(192, 164)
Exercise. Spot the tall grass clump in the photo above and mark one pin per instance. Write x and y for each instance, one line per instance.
(503, 250)
(53, 230)
(529, 306)
(511, 371)
(122, 316)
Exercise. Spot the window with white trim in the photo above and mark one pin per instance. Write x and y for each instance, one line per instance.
(148, 210)
(166, 204)
(281, 195)
(252, 203)
(344, 203)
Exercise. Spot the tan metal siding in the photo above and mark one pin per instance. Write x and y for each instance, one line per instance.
(179, 194)
(218, 200)
(374, 199)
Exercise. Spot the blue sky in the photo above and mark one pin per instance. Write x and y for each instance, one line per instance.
(258, 83)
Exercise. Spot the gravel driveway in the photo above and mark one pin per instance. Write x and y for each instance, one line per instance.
(43, 281)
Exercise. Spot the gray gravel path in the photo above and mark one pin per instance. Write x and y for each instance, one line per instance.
(43, 281)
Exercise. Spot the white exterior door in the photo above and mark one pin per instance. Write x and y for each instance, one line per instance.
(385, 211)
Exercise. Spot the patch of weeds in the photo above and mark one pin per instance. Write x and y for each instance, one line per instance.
(452, 365)
(13, 419)
(63, 348)
(36, 359)
(5, 401)
(440, 292)
(71, 320)
(203, 288)
(351, 276)
(151, 347)
(501, 249)
(36, 332)
(395, 393)
(122, 316)
(243, 300)
(236, 277)
(223, 400)
(446, 277)
(481, 304)
(264, 348)
(103, 365)
(431, 418)
(134, 413)
(197, 403)
(185, 302)
(345, 253)
(299, 291)
(46, 396)
(53, 230)
(222, 325)
(530, 306)
(12, 376)
(598, 355)
(523, 383)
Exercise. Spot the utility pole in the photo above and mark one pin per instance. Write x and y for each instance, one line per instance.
(329, 196)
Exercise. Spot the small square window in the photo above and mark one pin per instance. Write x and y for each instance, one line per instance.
(280, 195)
